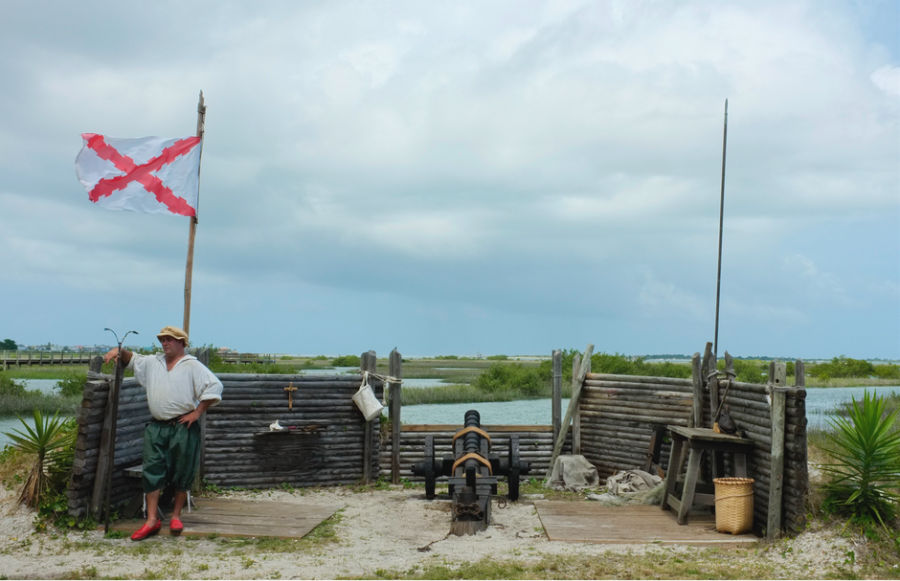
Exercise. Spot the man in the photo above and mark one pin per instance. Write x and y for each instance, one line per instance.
(179, 390)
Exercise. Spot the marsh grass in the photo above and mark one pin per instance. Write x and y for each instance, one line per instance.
(15, 399)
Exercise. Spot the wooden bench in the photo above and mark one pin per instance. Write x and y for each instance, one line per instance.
(693, 442)
(137, 471)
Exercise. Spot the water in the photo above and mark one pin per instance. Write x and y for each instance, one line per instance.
(820, 402)
(519, 412)
(419, 382)
(8, 423)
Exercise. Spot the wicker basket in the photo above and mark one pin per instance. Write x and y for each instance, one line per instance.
(734, 505)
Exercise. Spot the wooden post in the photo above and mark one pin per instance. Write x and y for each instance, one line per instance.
(395, 370)
(577, 383)
(556, 409)
(106, 458)
(103, 459)
(696, 419)
(192, 231)
(576, 418)
(367, 363)
(776, 389)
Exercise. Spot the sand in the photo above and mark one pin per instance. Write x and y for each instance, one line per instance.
(393, 530)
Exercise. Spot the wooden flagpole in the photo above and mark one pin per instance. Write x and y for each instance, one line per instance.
(189, 267)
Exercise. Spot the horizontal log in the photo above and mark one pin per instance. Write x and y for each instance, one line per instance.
(657, 404)
(638, 379)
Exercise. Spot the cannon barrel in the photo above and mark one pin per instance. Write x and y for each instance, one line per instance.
(472, 473)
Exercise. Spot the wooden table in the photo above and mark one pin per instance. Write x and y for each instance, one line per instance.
(695, 441)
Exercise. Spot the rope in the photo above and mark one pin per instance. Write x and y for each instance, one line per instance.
(385, 378)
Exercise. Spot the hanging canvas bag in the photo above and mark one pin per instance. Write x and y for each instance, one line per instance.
(365, 400)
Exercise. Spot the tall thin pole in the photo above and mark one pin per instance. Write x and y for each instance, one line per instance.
(721, 221)
(189, 267)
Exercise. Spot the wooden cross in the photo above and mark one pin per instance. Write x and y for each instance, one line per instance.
(290, 389)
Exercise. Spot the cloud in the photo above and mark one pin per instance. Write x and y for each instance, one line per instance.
(491, 164)
(887, 78)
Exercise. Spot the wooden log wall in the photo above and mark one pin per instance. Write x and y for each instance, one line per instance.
(749, 406)
(535, 447)
(619, 416)
(133, 416)
(325, 448)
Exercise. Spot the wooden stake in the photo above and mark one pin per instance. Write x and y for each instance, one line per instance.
(577, 383)
(189, 267)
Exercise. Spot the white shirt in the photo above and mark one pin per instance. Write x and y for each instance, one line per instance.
(174, 393)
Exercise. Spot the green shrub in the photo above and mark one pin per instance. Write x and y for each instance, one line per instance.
(750, 370)
(842, 367)
(72, 384)
(501, 377)
(9, 387)
(616, 364)
(346, 361)
(51, 443)
(865, 474)
(887, 371)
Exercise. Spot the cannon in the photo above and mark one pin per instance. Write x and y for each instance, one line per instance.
(473, 474)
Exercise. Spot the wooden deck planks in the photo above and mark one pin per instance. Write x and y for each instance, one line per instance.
(591, 522)
(244, 518)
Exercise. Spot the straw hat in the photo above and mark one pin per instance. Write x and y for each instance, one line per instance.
(173, 332)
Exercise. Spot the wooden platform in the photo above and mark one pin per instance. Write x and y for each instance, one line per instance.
(229, 517)
(591, 522)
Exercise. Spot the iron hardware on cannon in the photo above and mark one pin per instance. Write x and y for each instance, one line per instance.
(473, 474)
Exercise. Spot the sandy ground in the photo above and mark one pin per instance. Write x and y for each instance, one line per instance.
(390, 530)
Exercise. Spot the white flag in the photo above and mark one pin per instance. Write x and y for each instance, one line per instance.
(149, 174)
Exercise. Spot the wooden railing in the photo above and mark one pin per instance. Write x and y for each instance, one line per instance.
(232, 357)
(18, 358)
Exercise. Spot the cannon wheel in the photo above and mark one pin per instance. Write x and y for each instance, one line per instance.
(430, 476)
(513, 476)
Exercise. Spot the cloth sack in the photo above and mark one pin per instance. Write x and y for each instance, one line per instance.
(573, 472)
(631, 482)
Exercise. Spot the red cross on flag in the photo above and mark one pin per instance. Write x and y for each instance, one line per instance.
(150, 174)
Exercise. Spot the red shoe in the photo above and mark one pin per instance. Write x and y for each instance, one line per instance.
(176, 526)
(146, 531)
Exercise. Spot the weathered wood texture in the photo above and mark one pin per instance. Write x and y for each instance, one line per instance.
(324, 448)
(226, 517)
(133, 415)
(619, 414)
(592, 522)
(750, 406)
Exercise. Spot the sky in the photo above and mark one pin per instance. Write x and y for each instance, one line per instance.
(463, 178)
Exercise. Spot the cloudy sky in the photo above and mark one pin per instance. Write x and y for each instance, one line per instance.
(463, 177)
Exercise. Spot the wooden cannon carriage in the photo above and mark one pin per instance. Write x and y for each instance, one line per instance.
(473, 474)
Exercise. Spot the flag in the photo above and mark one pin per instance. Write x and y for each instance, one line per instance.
(148, 174)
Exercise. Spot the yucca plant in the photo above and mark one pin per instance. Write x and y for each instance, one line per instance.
(50, 439)
(865, 477)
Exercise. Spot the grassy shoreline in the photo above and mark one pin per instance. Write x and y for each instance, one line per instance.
(459, 375)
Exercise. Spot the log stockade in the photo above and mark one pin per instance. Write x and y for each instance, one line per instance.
(619, 423)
